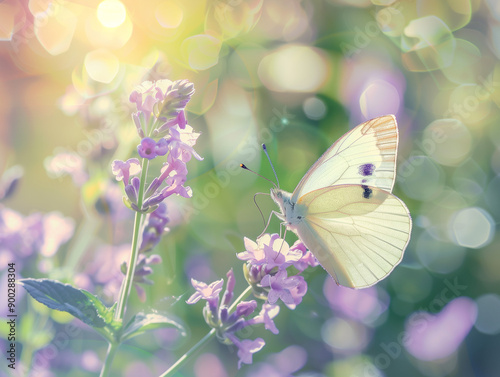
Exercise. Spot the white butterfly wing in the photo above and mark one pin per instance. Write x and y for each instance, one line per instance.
(366, 155)
(358, 233)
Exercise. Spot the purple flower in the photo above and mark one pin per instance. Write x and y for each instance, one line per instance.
(175, 186)
(266, 316)
(147, 148)
(144, 99)
(161, 105)
(307, 259)
(173, 173)
(281, 287)
(271, 250)
(155, 228)
(229, 292)
(205, 292)
(253, 251)
(297, 292)
(217, 315)
(246, 348)
(139, 119)
(161, 148)
(245, 308)
(181, 142)
(174, 99)
(123, 170)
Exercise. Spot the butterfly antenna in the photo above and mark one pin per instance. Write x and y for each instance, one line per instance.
(274, 171)
(243, 166)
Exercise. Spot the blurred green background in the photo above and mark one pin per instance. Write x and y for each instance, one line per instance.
(295, 75)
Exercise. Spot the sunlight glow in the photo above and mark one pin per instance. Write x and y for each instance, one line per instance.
(111, 13)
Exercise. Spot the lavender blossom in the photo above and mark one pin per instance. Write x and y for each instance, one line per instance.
(246, 348)
(266, 270)
(160, 116)
(147, 148)
(122, 170)
(217, 315)
(160, 106)
(155, 228)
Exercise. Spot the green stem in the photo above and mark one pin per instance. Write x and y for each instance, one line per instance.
(188, 354)
(203, 340)
(129, 278)
(109, 359)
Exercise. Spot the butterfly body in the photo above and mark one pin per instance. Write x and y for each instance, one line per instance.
(291, 213)
(343, 209)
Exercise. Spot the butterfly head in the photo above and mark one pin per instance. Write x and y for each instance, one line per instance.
(283, 199)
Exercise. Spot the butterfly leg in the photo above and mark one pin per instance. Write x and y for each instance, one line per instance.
(283, 238)
(268, 221)
(255, 201)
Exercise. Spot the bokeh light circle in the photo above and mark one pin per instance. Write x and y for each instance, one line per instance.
(379, 98)
(102, 65)
(439, 255)
(111, 13)
(293, 68)
(472, 227)
(314, 108)
(447, 141)
(201, 51)
(169, 14)
(488, 320)
(345, 336)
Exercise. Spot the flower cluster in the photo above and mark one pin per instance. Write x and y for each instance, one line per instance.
(161, 123)
(160, 106)
(217, 316)
(162, 126)
(266, 272)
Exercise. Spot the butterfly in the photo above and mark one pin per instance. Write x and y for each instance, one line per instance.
(343, 209)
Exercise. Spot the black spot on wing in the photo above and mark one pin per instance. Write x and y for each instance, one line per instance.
(367, 192)
(366, 169)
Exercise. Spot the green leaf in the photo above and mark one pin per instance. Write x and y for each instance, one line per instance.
(140, 323)
(78, 302)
